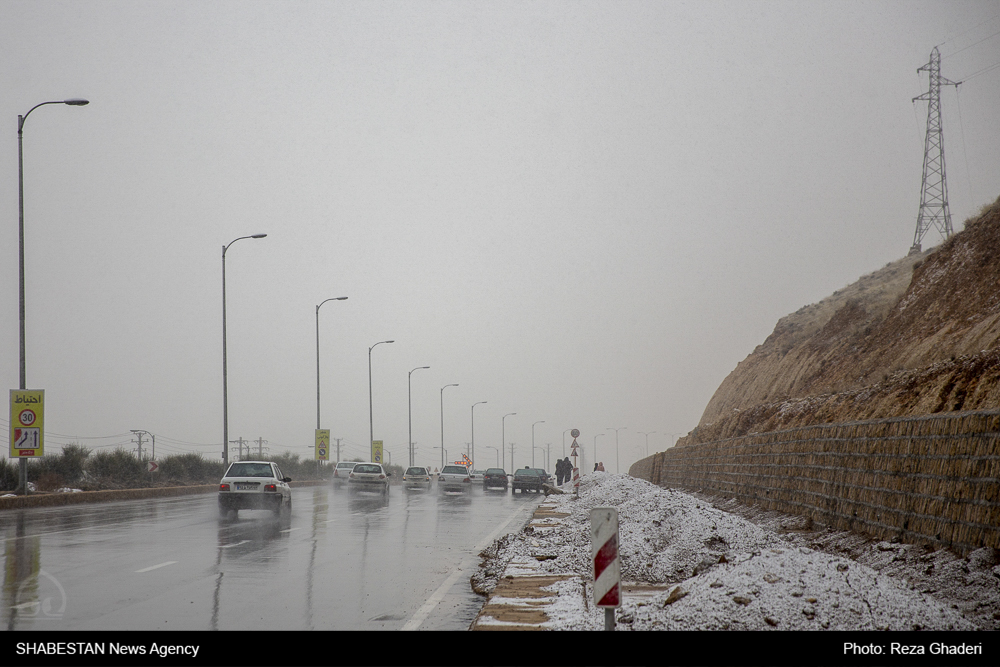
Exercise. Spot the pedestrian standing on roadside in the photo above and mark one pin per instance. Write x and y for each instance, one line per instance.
(559, 472)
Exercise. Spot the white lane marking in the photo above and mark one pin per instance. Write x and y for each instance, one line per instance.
(234, 544)
(288, 530)
(425, 610)
(156, 567)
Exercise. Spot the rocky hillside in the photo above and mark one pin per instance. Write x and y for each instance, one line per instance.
(919, 336)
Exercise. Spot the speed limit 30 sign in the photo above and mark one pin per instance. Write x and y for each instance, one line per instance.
(27, 408)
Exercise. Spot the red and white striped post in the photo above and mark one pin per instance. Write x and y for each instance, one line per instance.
(607, 566)
(576, 469)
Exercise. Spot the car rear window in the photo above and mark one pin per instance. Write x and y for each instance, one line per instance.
(250, 470)
(416, 471)
(525, 472)
(495, 471)
(455, 470)
(349, 464)
(361, 467)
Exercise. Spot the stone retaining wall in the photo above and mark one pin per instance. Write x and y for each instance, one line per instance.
(932, 479)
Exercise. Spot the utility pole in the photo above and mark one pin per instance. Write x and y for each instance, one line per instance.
(512, 456)
(240, 443)
(338, 447)
(934, 209)
(138, 435)
(260, 447)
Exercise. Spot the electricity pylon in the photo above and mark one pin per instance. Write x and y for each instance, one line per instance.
(934, 190)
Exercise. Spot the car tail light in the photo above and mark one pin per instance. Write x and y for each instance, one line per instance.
(381, 476)
(270, 487)
(223, 487)
(335, 474)
(351, 475)
(466, 480)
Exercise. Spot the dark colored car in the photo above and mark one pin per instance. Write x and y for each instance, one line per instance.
(526, 479)
(495, 478)
(544, 475)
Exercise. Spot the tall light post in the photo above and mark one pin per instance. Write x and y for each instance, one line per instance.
(338, 298)
(442, 421)
(371, 419)
(533, 442)
(503, 441)
(647, 439)
(23, 464)
(599, 435)
(473, 443)
(409, 407)
(225, 367)
(620, 428)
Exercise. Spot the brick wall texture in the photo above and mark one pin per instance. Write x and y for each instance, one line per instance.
(931, 479)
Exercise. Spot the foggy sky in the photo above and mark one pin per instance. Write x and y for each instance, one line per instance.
(586, 213)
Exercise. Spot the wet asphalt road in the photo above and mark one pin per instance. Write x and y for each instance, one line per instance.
(336, 563)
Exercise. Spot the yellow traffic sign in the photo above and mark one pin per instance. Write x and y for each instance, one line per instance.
(322, 444)
(26, 422)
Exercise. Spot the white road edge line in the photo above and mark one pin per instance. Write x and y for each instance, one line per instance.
(425, 610)
(234, 544)
(155, 567)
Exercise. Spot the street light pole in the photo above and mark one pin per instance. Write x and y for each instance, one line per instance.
(503, 441)
(533, 442)
(225, 368)
(409, 408)
(371, 419)
(647, 439)
(473, 443)
(620, 428)
(23, 463)
(442, 421)
(338, 298)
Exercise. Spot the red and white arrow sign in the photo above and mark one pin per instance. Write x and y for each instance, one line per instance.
(151, 466)
(604, 553)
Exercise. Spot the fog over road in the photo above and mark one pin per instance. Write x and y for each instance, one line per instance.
(337, 563)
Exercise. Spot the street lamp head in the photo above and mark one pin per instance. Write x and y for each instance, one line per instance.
(255, 236)
(76, 102)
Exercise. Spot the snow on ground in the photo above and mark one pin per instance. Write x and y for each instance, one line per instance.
(689, 565)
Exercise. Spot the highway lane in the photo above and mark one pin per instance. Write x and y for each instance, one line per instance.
(336, 563)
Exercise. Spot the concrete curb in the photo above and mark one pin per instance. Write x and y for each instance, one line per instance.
(58, 499)
(519, 601)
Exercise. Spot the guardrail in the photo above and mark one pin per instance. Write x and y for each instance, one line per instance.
(57, 499)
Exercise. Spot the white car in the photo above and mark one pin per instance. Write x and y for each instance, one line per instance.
(477, 476)
(254, 485)
(371, 477)
(454, 478)
(341, 472)
(417, 477)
